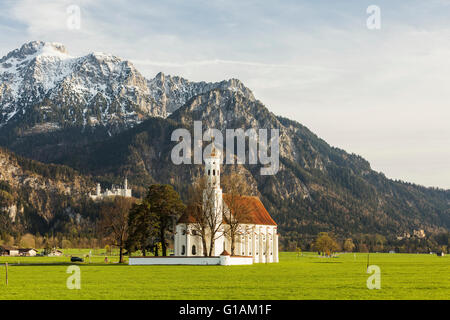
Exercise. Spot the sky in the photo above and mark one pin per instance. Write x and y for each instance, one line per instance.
(381, 93)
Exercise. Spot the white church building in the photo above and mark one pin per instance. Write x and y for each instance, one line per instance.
(256, 241)
(122, 191)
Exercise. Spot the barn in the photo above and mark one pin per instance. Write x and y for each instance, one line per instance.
(8, 251)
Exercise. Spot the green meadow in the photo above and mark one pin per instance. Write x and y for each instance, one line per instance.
(403, 276)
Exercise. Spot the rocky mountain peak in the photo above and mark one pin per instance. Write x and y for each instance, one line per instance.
(35, 49)
(42, 85)
(172, 92)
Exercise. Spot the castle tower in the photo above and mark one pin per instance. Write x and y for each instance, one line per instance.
(99, 190)
(126, 192)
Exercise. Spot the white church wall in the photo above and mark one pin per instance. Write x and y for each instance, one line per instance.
(241, 261)
(178, 239)
(185, 240)
(235, 261)
(219, 244)
(258, 241)
(196, 245)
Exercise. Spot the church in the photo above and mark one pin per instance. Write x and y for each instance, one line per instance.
(256, 238)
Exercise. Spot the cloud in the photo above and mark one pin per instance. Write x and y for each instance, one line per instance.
(382, 94)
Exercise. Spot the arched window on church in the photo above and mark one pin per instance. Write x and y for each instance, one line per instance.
(214, 172)
(209, 172)
(194, 250)
(183, 250)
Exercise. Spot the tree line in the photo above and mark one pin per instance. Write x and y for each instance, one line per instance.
(327, 243)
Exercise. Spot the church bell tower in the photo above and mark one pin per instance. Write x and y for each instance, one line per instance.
(212, 169)
(212, 195)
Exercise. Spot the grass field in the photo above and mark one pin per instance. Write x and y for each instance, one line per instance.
(403, 276)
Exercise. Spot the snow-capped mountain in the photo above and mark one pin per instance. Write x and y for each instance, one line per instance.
(43, 88)
(42, 83)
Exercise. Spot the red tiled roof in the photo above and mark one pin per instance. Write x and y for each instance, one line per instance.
(186, 217)
(257, 212)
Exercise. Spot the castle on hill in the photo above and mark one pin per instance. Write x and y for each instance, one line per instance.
(122, 191)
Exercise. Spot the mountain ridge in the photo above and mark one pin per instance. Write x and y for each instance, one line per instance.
(318, 187)
(42, 85)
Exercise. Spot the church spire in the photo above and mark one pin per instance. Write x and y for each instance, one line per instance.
(213, 147)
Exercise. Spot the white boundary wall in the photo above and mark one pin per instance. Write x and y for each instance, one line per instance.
(199, 261)
(234, 261)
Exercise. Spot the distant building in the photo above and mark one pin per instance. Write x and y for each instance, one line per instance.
(115, 191)
(28, 252)
(8, 251)
(55, 253)
(419, 233)
(12, 251)
(405, 235)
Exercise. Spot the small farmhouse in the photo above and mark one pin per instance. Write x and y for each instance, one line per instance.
(28, 252)
(55, 253)
(12, 251)
(8, 251)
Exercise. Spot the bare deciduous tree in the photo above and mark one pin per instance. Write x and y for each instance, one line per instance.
(113, 221)
(204, 219)
(236, 209)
